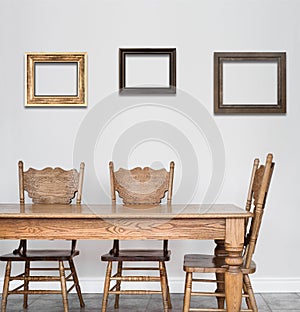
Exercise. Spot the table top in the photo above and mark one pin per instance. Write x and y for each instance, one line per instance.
(108, 221)
(107, 211)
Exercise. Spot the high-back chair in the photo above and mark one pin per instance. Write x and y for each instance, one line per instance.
(138, 188)
(55, 187)
(200, 263)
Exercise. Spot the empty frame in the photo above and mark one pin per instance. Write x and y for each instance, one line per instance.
(56, 79)
(249, 82)
(147, 70)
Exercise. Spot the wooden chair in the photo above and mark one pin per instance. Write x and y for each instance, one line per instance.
(138, 186)
(47, 186)
(200, 263)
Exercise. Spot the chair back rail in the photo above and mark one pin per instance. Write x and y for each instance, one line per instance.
(250, 192)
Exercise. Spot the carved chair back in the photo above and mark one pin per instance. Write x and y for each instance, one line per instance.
(259, 186)
(141, 185)
(50, 185)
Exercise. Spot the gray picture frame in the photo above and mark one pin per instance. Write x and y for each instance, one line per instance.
(279, 58)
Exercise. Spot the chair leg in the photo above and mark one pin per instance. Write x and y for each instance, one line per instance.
(118, 286)
(168, 289)
(106, 286)
(76, 282)
(249, 291)
(26, 284)
(220, 277)
(187, 291)
(246, 293)
(63, 285)
(5, 286)
(163, 283)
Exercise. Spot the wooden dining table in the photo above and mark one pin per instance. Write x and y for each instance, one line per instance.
(223, 223)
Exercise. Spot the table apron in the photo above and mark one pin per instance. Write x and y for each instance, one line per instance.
(97, 228)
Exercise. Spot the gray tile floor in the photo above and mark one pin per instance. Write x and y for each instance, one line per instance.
(267, 302)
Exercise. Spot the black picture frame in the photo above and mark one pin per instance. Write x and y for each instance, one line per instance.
(136, 90)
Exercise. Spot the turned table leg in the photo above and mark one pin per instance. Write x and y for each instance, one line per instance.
(233, 276)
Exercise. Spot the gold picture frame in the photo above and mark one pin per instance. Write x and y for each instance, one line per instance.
(73, 65)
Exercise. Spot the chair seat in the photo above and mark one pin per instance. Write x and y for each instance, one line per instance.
(138, 255)
(41, 255)
(201, 263)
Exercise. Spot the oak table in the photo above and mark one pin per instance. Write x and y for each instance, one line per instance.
(219, 222)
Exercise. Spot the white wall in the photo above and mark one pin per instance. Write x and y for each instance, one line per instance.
(43, 137)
